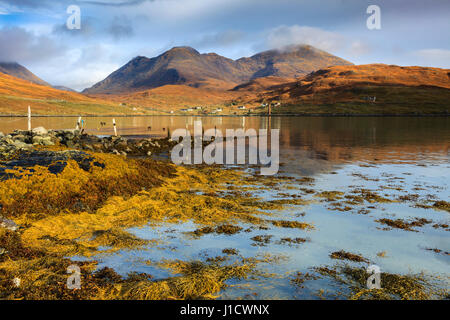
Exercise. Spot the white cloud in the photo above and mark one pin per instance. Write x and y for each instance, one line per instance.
(81, 67)
(332, 42)
(20, 45)
(359, 48)
(283, 36)
(434, 57)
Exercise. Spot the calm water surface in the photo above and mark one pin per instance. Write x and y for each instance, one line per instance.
(392, 156)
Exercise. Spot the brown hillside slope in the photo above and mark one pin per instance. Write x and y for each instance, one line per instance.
(16, 70)
(17, 94)
(173, 97)
(262, 84)
(371, 74)
(349, 89)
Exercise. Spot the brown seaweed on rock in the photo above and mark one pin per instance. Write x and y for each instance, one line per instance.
(343, 255)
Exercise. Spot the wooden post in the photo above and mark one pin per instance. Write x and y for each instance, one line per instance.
(115, 128)
(270, 109)
(78, 124)
(29, 118)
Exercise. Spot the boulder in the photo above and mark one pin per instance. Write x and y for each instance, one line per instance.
(47, 141)
(20, 137)
(8, 224)
(44, 141)
(37, 140)
(21, 145)
(40, 131)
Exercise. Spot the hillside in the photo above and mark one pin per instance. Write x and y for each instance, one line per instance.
(351, 89)
(19, 71)
(186, 66)
(261, 84)
(64, 88)
(17, 94)
(334, 90)
(174, 97)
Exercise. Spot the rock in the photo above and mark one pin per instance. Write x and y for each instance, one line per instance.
(20, 137)
(70, 144)
(88, 147)
(37, 140)
(1, 134)
(21, 145)
(44, 141)
(121, 143)
(97, 146)
(8, 224)
(20, 132)
(149, 153)
(47, 141)
(40, 131)
(16, 282)
(114, 151)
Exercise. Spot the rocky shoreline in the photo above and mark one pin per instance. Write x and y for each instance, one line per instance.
(20, 140)
(53, 148)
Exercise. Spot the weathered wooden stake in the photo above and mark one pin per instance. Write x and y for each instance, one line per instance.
(115, 128)
(29, 118)
(78, 123)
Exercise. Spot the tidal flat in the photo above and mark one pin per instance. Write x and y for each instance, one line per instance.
(146, 229)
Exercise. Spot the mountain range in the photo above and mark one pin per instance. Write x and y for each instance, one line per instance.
(16, 70)
(185, 65)
(303, 79)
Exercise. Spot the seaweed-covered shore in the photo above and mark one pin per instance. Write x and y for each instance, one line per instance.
(65, 195)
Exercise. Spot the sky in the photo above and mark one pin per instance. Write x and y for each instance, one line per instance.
(34, 33)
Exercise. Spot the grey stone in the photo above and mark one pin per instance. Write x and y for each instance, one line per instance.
(21, 145)
(37, 140)
(8, 224)
(47, 141)
(40, 131)
(20, 137)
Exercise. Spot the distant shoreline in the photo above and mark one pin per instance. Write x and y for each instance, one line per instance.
(336, 115)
